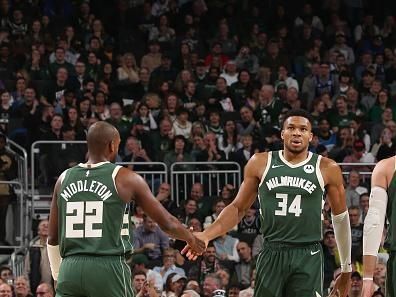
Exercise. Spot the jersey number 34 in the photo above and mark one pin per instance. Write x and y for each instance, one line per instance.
(295, 206)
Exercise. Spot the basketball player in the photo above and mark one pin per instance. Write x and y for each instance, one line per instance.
(382, 204)
(88, 225)
(290, 185)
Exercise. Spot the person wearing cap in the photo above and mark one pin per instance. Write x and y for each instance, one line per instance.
(174, 285)
(342, 47)
(139, 262)
(356, 285)
(357, 156)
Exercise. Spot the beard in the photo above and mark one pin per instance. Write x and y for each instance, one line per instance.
(295, 150)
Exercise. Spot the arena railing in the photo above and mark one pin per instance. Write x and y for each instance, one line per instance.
(213, 176)
(17, 225)
(346, 168)
(42, 184)
(17, 259)
(41, 181)
(21, 157)
(154, 173)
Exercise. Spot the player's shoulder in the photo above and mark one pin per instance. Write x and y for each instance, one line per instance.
(329, 167)
(259, 158)
(385, 165)
(328, 164)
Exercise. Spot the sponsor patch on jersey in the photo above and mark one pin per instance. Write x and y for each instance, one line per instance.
(309, 168)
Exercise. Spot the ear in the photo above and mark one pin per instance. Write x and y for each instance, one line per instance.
(282, 132)
(112, 146)
(310, 136)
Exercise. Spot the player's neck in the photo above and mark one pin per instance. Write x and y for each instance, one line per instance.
(96, 159)
(294, 158)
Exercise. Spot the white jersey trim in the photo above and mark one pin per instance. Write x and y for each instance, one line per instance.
(62, 176)
(86, 165)
(295, 165)
(267, 167)
(114, 174)
(319, 173)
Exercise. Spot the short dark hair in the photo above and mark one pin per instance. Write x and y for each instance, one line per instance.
(298, 113)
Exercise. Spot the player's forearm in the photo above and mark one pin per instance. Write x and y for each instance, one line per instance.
(369, 263)
(228, 218)
(176, 230)
(342, 232)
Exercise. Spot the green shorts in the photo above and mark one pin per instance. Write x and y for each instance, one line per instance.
(89, 276)
(285, 270)
(391, 275)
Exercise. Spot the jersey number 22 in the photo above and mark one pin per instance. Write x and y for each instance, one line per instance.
(83, 213)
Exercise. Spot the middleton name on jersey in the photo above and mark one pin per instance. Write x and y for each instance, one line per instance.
(92, 186)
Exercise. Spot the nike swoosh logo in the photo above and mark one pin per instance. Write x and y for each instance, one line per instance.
(313, 253)
(276, 166)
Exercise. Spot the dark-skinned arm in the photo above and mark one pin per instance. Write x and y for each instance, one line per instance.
(133, 186)
(334, 183)
(53, 240)
(234, 212)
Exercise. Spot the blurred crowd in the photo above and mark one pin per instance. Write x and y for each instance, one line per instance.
(196, 80)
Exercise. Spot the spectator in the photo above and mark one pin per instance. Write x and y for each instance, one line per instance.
(249, 226)
(203, 202)
(179, 153)
(189, 211)
(207, 265)
(354, 190)
(45, 290)
(164, 197)
(364, 205)
(230, 73)
(377, 128)
(150, 240)
(387, 146)
(5, 290)
(169, 267)
(229, 141)
(8, 171)
(357, 156)
(247, 60)
(174, 285)
(138, 281)
(329, 252)
(6, 274)
(37, 267)
(357, 233)
(244, 268)
(138, 264)
(226, 248)
(218, 206)
(182, 126)
(22, 288)
(211, 283)
(242, 155)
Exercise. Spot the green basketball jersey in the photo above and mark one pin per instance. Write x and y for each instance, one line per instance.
(92, 218)
(291, 200)
(391, 215)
